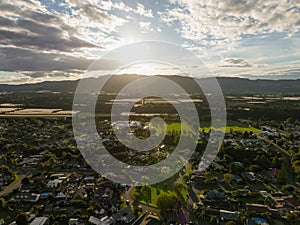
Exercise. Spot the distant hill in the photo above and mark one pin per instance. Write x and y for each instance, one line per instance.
(237, 86)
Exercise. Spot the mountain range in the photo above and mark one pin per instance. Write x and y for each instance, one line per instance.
(235, 86)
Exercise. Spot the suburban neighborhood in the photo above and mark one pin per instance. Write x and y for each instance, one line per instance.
(254, 179)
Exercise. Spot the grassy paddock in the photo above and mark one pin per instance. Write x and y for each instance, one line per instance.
(156, 190)
(231, 125)
(234, 126)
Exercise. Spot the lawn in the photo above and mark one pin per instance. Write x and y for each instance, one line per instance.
(173, 127)
(155, 190)
(231, 125)
(236, 126)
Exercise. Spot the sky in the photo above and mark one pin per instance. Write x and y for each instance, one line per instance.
(58, 39)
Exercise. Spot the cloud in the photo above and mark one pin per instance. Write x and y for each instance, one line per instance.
(228, 20)
(25, 33)
(94, 14)
(42, 44)
(13, 78)
(35, 63)
(24, 27)
(234, 63)
(145, 26)
(142, 11)
(18, 59)
(273, 75)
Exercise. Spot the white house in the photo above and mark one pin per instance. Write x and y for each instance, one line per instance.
(54, 183)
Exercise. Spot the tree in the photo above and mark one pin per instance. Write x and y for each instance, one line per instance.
(166, 201)
(178, 186)
(254, 168)
(22, 219)
(213, 219)
(146, 193)
(292, 218)
(135, 195)
(231, 223)
(275, 162)
(25, 181)
(227, 178)
(282, 174)
(2, 203)
(288, 188)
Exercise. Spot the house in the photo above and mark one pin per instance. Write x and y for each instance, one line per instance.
(236, 178)
(255, 221)
(198, 179)
(54, 183)
(39, 178)
(218, 166)
(61, 195)
(222, 214)
(57, 210)
(90, 181)
(216, 195)
(73, 221)
(228, 215)
(220, 178)
(124, 215)
(94, 220)
(212, 212)
(135, 124)
(261, 209)
(292, 202)
(26, 197)
(243, 192)
(103, 221)
(40, 221)
(265, 194)
(249, 176)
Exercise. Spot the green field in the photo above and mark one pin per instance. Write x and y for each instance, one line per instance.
(234, 126)
(149, 194)
(156, 189)
(231, 125)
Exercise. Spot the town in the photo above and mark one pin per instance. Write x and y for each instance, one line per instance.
(45, 180)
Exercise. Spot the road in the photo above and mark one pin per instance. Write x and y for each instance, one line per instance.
(13, 186)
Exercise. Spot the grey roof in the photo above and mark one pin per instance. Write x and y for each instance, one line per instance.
(39, 221)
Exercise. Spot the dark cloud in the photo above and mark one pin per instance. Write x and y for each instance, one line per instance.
(35, 74)
(17, 59)
(234, 63)
(39, 74)
(38, 30)
(45, 41)
(38, 43)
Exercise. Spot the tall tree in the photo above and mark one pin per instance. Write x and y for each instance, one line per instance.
(282, 174)
(22, 219)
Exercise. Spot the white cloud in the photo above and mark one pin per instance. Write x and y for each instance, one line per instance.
(122, 6)
(13, 78)
(227, 20)
(140, 9)
(145, 26)
(93, 14)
